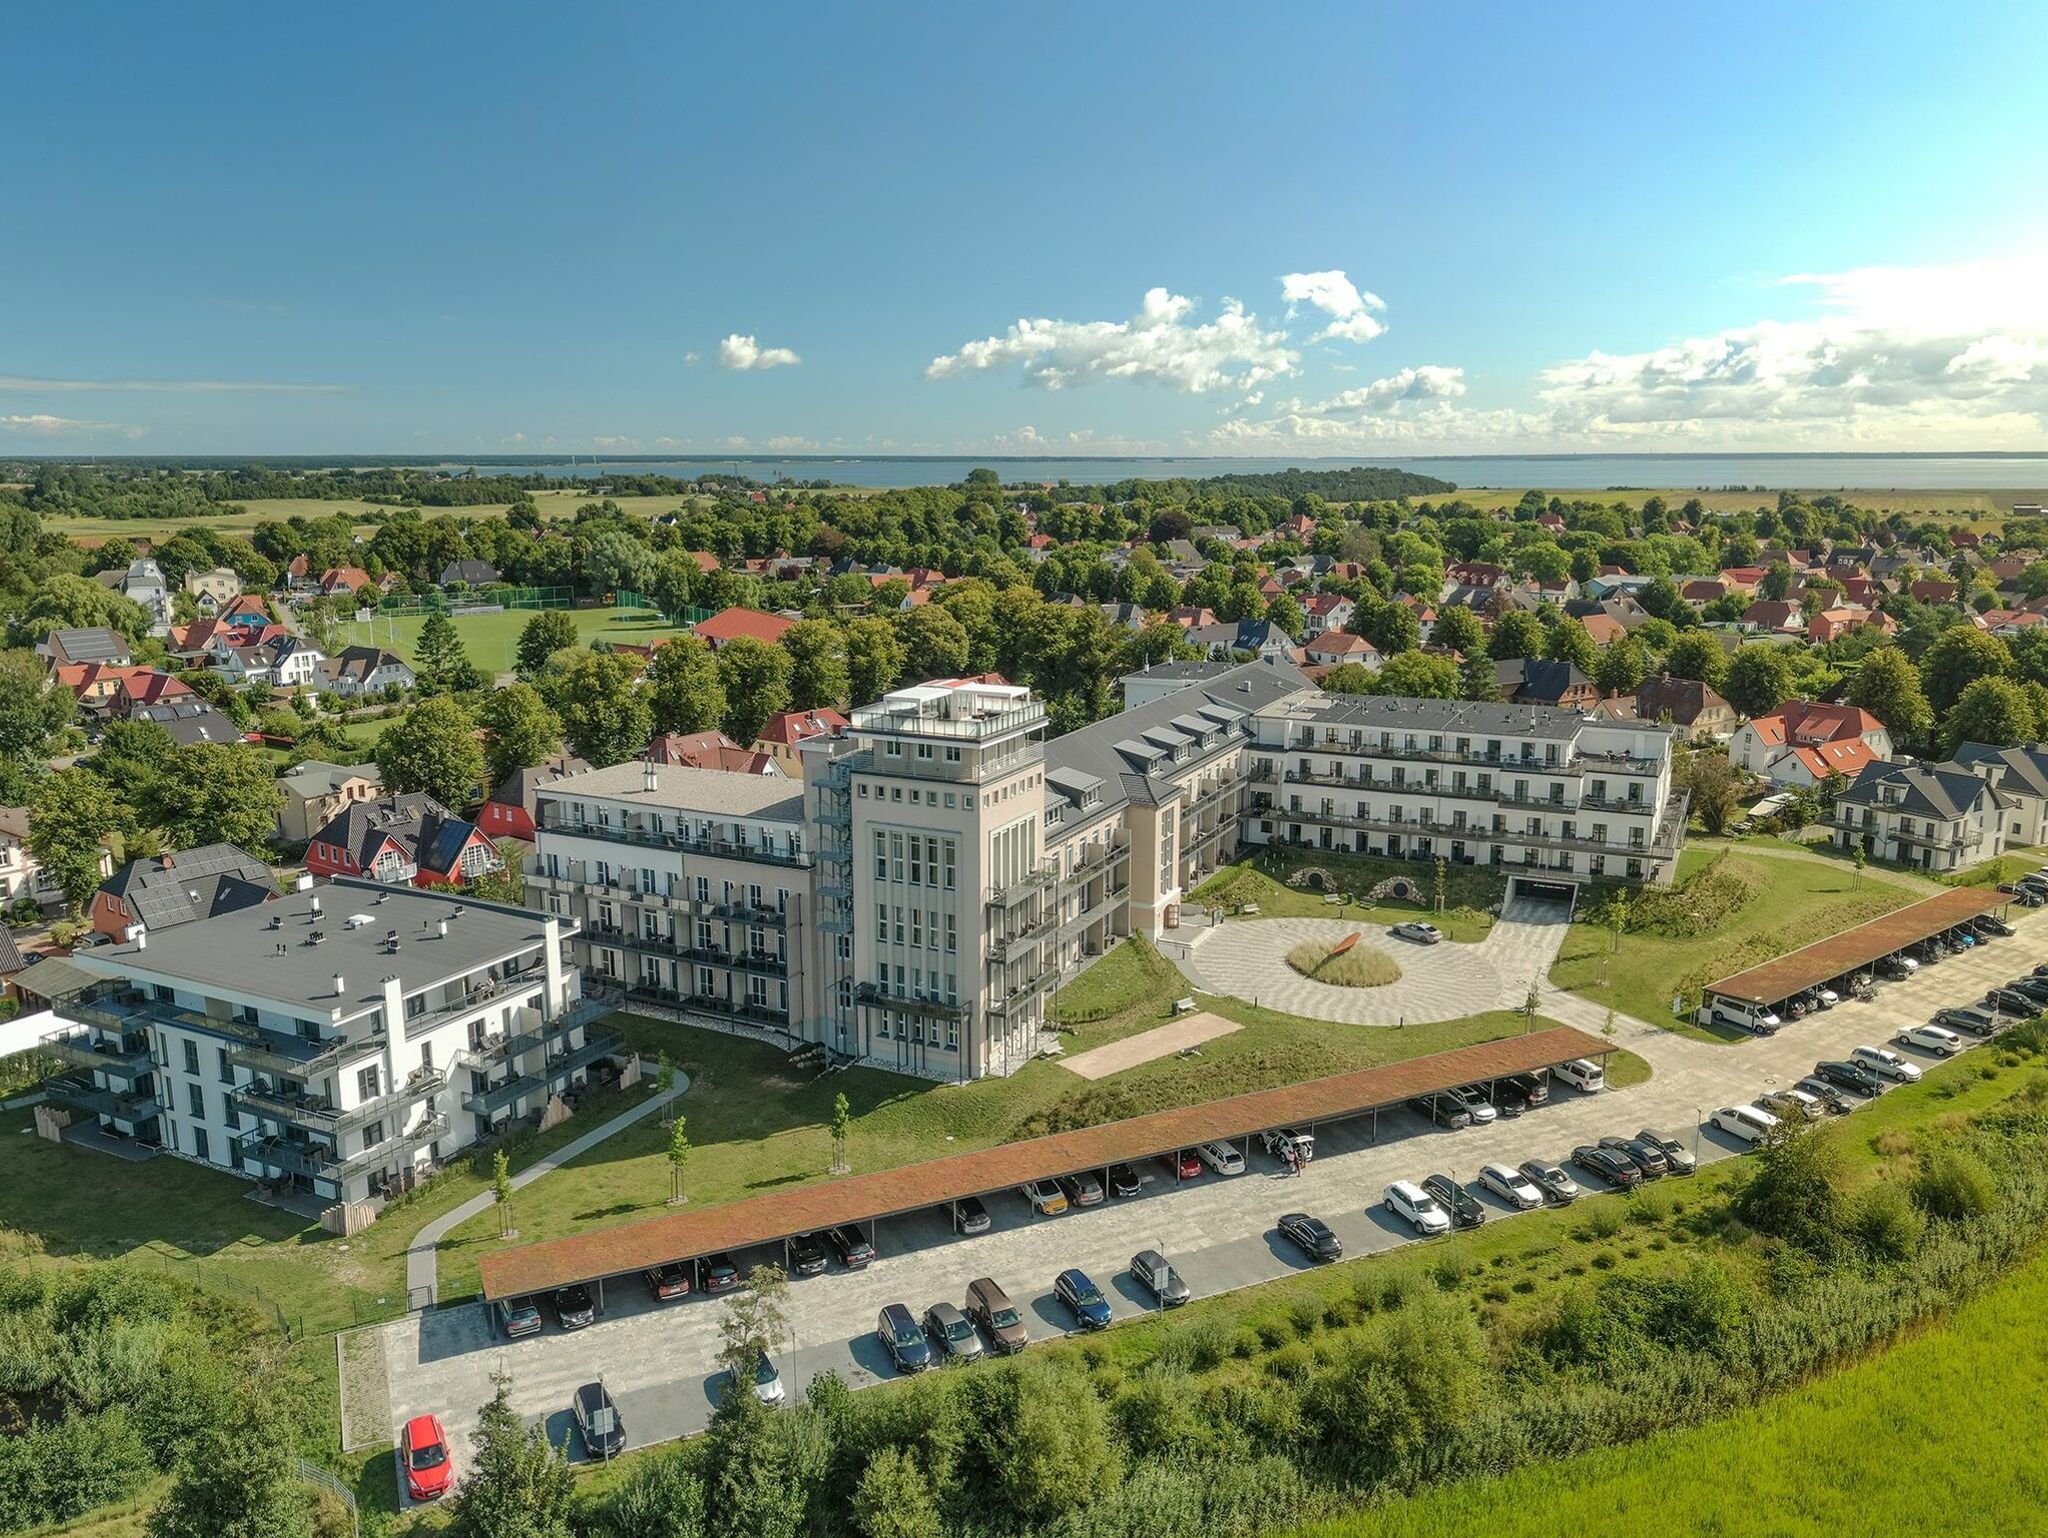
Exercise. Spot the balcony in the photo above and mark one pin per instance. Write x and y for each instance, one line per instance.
(833, 812)
(314, 1114)
(79, 1095)
(519, 990)
(263, 1050)
(488, 1102)
(762, 917)
(712, 1005)
(679, 841)
(562, 1064)
(106, 1057)
(1000, 946)
(1099, 909)
(1441, 833)
(1025, 993)
(874, 996)
(1039, 880)
(1580, 763)
(1103, 858)
(317, 1162)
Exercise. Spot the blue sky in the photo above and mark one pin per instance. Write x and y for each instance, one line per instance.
(472, 230)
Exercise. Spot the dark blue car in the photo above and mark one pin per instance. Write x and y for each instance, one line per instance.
(898, 1331)
(1083, 1298)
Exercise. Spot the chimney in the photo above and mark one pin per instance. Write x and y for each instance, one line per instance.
(315, 909)
(337, 985)
(650, 778)
(444, 929)
(140, 936)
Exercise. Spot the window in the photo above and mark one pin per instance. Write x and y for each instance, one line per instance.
(896, 854)
(703, 889)
(366, 1083)
(199, 1143)
(881, 855)
(882, 922)
(227, 1071)
(192, 1058)
(952, 939)
(899, 925)
(917, 927)
(952, 851)
(916, 861)
(195, 1100)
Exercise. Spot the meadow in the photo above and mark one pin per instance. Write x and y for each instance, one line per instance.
(492, 640)
(365, 515)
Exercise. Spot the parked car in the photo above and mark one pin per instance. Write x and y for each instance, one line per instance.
(1417, 931)
(851, 1246)
(1185, 1165)
(2008, 1001)
(806, 1255)
(767, 1380)
(1222, 1158)
(573, 1308)
(990, 1307)
(1416, 1207)
(1646, 1157)
(668, 1282)
(1461, 1204)
(1746, 1122)
(1124, 1180)
(1844, 1074)
(1557, 1187)
(517, 1317)
(1149, 1269)
(969, 1216)
(423, 1454)
(1937, 1039)
(1082, 1190)
(1991, 924)
(1791, 1105)
(1045, 1196)
(1978, 1022)
(1896, 969)
(1311, 1235)
(1675, 1153)
(1281, 1139)
(902, 1339)
(598, 1425)
(1442, 1111)
(1827, 1094)
(1477, 1106)
(719, 1272)
(952, 1333)
(2033, 988)
(1886, 1064)
(1521, 1092)
(1511, 1186)
(1083, 1298)
(1616, 1169)
(1826, 997)
(1582, 1074)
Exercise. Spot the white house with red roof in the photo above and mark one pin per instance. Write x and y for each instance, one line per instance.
(1334, 647)
(786, 730)
(1784, 745)
(1327, 611)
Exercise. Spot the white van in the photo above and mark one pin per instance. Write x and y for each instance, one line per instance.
(1931, 1038)
(1887, 1064)
(1406, 1199)
(1757, 1019)
(1750, 1123)
(1582, 1073)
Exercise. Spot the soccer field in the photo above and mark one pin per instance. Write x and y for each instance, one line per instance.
(492, 639)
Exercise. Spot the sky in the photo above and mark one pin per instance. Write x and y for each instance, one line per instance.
(1298, 230)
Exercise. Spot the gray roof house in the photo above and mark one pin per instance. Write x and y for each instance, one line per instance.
(166, 890)
(1937, 817)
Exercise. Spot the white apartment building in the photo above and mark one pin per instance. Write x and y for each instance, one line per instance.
(1940, 817)
(1551, 796)
(335, 1044)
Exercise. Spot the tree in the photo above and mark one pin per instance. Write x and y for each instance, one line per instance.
(501, 1193)
(894, 1499)
(439, 659)
(1458, 628)
(72, 812)
(1285, 610)
(548, 632)
(1350, 678)
(517, 1486)
(432, 749)
(604, 711)
(1568, 642)
(1622, 668)
(1993, 711)
(874, 660)
(1697, 654)
(684, 691)
(755, 677)
(752, 1487)
(1888, 686)
(754, 1322)
(678, 1158)
(236, 1477)
(1791, 1193)
(67, 602)
(817, 664)
(520, 730)
(1477, 680)
(1777, 582)
(1711, 779)
(218, 793)
(33, 709)
(1420, 676)
(1759, 679)
(1958, 658)
(934, 644)
(1393, 628)
(1516, 634)
(842, 1128)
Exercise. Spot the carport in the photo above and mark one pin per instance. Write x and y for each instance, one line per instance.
(1732, 998)
(867, 1200)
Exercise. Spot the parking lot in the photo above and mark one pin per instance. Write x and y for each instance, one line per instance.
(1218, 1231)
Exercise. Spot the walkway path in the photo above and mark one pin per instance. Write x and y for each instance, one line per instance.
(422, 1279)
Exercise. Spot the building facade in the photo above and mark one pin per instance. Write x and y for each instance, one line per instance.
(1940, 817)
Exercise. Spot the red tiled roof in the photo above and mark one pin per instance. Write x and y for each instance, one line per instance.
(731, 624)
(738, 1225)
(1852, 948)
(786, 728)
(1844, 758)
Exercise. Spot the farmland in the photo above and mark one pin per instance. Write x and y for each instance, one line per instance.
(552, 504)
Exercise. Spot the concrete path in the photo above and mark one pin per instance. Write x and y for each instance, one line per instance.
(422, 1283)
(1160, 1041)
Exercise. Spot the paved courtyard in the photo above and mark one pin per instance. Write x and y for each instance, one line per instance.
(1247, 958)
(1217, 1230)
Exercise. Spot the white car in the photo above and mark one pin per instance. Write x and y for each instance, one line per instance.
(1887, 1064)
(1747, 1122)
(1582, 1074)
(767, 1380)
(1931, 1038)
(1406, 1199)
(1511, 1185)
(1221, 1158)
(1280, 1139)
(1476, 1105)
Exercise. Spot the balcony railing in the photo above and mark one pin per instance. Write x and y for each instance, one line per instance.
(488, 1102)
(1099, 909)
(564, 1063)
(1024, 993)
(81, 1096)
(876, 997)
(1038, 881)
(1578, 763)
(680, 841)
(1000, 946)
(711, 1004)
(316, 1162)
(317, 1115)
(516, 990)
(263, 1050)
(81, 1051)
(1452, 832)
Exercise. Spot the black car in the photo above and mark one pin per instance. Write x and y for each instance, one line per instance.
(1978, 1022)
(2035, 988)
(719, 1272)
(1124, 1181)
(1852, 1076)
(573, 1308)
(2009, 1001)
(1646, 1157)
(851, 1246)
(1557, 1187)
(1441, 1110)
(517, 1317)
(1990, 924)
(900, 1336)
(1150, 1270)
(1616, 1169)
(668, 1282)
(1312, 1235)
(1893, 970)
(806, 1255)
(1826, 1093)
(597, 1422)
(1521, 1092)
(1460, 1203)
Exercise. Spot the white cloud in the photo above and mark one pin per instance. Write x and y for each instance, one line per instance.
(1159, 345)
(666, 442)
(511, 440)
(1430, 382)
(789, 443)
(603, 442)
(1348, 306)
(743, 352)
(42, 425)
(738, 443)
(168, 386)
(692, 357)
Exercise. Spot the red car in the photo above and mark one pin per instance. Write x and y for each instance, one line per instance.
(423, 1454)
(1187, 1165)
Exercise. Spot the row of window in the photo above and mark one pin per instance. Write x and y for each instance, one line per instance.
(917, 983)
(916, 859)
(921, 932)
(914, 1030)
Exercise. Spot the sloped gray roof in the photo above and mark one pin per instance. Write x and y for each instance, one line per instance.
(171, 889)
(2023, 769)
(1941, 791)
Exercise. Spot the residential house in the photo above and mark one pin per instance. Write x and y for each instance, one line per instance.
(1542, 681)
(788, 729)
(709, 750)
(364, 670)
(1604, 629)
(211, 589)
(731, 624)
(344, 579)
(1482, 574)
(409, 840)
(21, 874)
(1327, 611)
(189, 721)
(1687, 703)
(316, 791)
(473, 572)
(1832, 624)
(96, 644)
(1334, 647)
(1762, 744)
(1262, 638)
(2020, 775)
(166, 890)
(509, 811)
(1773, 616)
(142, 582)
(1939, 817)
(1815, 765)
(1933, 590)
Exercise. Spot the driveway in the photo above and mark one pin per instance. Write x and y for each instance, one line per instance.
(1217, 1230)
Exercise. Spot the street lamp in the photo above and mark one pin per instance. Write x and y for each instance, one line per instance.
(1699, 1120)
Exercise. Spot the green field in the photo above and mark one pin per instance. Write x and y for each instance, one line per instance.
(1470, 894)
(1984, 507)
(492, 639)
(552, 504)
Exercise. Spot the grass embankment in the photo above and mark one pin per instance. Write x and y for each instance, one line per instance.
(492, 640)
(1728, 911)
(1470, 894)
(755, 1127)
(1359, 967)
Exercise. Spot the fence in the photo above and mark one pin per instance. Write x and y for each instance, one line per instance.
(689, 614)
(413, 606)
(314, 1475)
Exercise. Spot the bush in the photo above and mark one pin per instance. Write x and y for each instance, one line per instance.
(1606, 1219)
(1791, 1195)
(1886, 1223)
(1953, 1185)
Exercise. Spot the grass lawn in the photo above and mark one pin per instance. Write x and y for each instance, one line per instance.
(1470, 894)
(1359, 967)
(491, 638)
(1788, 903)
(552, 504)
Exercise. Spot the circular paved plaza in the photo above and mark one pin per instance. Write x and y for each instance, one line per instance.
(1247, 958)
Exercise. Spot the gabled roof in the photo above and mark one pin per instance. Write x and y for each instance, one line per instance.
(517, 788)
(409, 820)
(317, 777)
(1538, 680)
(93, 644)
(189, 721)
(1810, 722)
(731, 624)
(171, 889)
(1944, 792)
(2023, 769)
(787, 728)
(1684, 700)
(1848, 758)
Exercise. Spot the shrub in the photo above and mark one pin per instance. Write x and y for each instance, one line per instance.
(1295, 1362)
(1305, 1312)
(1953, 1185)
(1606, 1219)
(1273, 1333)
(1886, 1223)
(1791, 1194)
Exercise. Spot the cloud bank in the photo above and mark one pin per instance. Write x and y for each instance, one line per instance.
(744, 352)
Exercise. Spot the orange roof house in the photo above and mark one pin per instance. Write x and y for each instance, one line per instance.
(731, 624)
